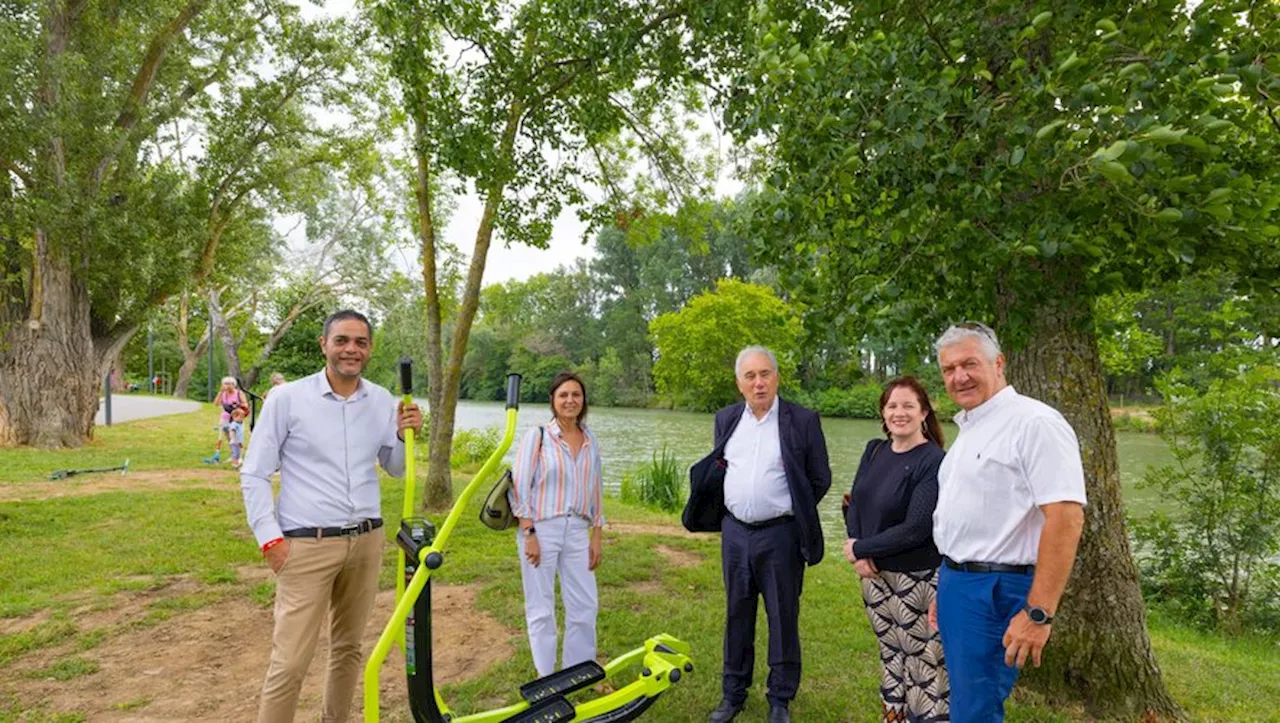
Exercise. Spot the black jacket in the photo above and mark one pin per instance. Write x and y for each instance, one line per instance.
(804, 457)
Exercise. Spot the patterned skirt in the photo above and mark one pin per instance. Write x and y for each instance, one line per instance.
(913, 684)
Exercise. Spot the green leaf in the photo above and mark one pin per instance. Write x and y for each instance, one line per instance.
(1115, 171)
(1106, 25)
(985, 75)
(1071, 62)
(1220, 211)
(1216, 195)
(1165, 134)
(1112, 152)
(1016, 157)
(1042, 19)
(1049, 128)
(1133, 68)
(1221, 90)
(1169, 215)
(1195, 142)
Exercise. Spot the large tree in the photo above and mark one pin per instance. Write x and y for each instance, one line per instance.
(524, 104)
(1013, 161)
(133, 137)
(699, 344)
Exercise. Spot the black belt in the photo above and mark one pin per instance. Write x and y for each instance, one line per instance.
(784, 519)
(988, 567)
(351, 530)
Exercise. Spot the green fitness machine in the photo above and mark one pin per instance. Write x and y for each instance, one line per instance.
(664, 659)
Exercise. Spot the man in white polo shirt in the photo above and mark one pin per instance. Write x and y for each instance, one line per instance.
(1009, 515)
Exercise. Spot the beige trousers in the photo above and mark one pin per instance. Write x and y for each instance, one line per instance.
(334, 573)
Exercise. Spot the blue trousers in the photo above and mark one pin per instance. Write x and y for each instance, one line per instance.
(761, 563)
(974, 610)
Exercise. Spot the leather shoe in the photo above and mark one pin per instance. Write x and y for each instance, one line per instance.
(725, 712)
(779, 714)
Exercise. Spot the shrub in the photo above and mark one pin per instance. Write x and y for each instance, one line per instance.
(658, 484)
(473, 446)
(1129, 422)
(1212, 560)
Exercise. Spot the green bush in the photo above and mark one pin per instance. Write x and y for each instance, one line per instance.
(943, 406)
(1127, 422)
(861, 401)
(473, 446)
(658, 484)
(1212, 560)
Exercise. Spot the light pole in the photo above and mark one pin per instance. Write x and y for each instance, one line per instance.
(151, 360)
(210, 353)
(106, 396)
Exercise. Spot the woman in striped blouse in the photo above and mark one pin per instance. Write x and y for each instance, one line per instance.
(558, 498)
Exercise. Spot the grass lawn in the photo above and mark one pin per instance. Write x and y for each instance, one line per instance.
(67, 554)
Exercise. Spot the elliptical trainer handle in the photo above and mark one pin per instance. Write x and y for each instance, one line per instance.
(406, 375)
(513, 391)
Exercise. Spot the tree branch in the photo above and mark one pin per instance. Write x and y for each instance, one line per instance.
(933, 35)
(589, 62)
(17, 170)
(142, 82)
(205, 266)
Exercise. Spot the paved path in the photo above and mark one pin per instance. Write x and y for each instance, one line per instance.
(125, 407)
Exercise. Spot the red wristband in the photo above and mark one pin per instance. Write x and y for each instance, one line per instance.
(271, 544)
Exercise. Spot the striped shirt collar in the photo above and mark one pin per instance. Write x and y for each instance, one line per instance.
(554, 427)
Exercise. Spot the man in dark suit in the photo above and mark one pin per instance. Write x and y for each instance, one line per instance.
(760, 488)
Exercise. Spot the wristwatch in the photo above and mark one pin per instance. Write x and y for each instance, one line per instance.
(1038, 615)
(529, 532)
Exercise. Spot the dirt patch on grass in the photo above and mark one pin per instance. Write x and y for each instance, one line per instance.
(207, 664)
(678, 557)
(630, 528)
(13, 626)
(163, 480)
(645, 587)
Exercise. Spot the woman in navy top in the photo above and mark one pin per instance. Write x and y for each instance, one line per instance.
(890, 544)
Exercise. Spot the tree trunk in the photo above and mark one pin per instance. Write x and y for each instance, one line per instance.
(1100, 652)
(230, 345)
(110, 348)
(251, 376)
(439, 489)
(190, 357)
(49, 371)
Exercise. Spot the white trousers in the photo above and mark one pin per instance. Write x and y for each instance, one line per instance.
(564, 547)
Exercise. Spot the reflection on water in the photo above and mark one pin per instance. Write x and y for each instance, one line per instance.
(629, 437)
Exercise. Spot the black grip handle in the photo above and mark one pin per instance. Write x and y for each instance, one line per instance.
(406, 375)
(513, 391)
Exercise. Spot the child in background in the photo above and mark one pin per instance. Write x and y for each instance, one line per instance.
(235, 432)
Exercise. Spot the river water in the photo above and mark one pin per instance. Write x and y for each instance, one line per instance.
(629, 437)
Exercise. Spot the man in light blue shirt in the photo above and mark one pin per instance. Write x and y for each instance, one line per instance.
(324, 434)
